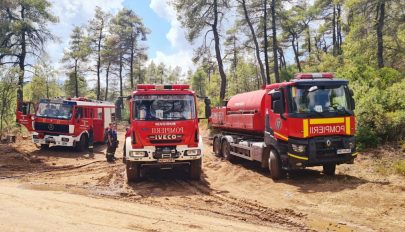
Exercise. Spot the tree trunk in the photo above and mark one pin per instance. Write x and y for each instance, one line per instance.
(273, 25)
(131, 62)
(295, 49)
(380, 27)
(339, 29)
(252, 31)
(307, 29)
(76, 81)
(334, 49)
(99, 62)
(218, 52)
(266, 43)
(21, 61)
(107, 72)
(120, 76)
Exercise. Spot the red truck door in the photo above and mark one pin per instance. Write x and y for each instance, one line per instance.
(25, 114)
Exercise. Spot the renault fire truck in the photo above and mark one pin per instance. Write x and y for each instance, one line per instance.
(308, 121)
(66, 122)
(163, 130)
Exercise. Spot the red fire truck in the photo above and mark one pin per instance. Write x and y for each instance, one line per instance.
(163, 130)
(306, 122)
(66, 122)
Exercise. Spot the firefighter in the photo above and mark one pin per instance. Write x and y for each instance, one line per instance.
(91, 139)
(112, 142)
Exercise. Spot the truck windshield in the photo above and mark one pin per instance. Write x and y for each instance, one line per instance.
(319, 99)
(163, 107)
(54, 110)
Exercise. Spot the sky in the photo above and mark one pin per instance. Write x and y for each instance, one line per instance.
(166, 42)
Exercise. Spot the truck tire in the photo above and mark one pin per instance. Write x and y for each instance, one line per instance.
(276, 171)
(226, 151)
(329, 169)
(195, 169)
(133, 172)
(217, 146)
(82, 144)
(44, 146)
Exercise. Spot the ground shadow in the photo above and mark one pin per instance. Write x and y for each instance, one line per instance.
(311, 180)
(166, 183)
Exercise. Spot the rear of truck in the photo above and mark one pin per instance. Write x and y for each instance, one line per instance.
(163, 131)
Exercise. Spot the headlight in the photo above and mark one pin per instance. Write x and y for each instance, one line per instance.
(193, 152)
(137, 154)
(298, 148)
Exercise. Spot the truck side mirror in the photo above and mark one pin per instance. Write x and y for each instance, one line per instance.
(352, 103)
(277, 106)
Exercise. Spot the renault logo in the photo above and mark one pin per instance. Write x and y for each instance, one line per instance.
(328, 143)
(51, 126)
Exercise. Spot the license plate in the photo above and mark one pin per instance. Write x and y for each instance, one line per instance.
(50, 140)
(166, 160)
(343, 151)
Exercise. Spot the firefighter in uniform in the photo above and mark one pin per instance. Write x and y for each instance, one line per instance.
(112, 143)
(91, 139)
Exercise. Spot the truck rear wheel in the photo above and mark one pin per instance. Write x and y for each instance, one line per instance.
(133, 172)
(276, 172)
(329, 169)
(195, 169)
(217, 146)
(226, 151)
(82, 144)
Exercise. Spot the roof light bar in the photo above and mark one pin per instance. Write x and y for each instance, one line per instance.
(313, 75)
(162, 87)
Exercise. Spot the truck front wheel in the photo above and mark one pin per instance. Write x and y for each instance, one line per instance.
(329, 169)
(276, 172)
(195, 169)
(44, 146)
(226, 151)
(82, 144)
(133, 172)
(217, 146)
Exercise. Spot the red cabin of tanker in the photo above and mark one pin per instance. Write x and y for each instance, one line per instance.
(308, 121)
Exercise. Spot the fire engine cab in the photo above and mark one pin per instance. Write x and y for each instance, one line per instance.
(66, 122)
(163, 130)
(306, 122)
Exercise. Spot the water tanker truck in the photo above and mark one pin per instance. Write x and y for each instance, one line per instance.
(308, 121)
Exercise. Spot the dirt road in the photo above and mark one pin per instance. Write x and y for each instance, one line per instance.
(58, 188)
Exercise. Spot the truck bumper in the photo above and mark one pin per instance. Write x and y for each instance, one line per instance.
(148, 156)
(58, 140)
(320, 151)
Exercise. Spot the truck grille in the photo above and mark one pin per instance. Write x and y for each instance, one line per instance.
(51, 128)
(323, 151)
(153, 141)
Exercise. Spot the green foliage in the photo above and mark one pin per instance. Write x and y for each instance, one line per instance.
(380, 103)
(8, 87)
(400, 167)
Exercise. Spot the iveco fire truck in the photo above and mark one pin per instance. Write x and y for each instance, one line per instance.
(66, 122)
(306, 122)
(163, 130)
